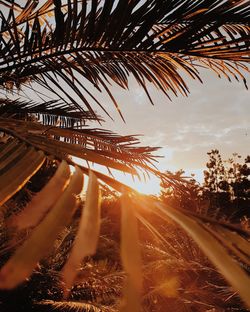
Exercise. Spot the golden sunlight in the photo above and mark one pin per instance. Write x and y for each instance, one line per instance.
(150, 186)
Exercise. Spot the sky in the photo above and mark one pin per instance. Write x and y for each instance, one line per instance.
(216, 115)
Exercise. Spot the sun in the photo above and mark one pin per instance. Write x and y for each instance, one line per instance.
(149, 187)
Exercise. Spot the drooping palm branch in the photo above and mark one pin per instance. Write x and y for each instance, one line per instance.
(57, 49)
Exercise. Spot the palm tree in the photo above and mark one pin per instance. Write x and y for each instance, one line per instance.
(55, 56)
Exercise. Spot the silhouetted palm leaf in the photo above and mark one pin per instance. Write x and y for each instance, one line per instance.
(51, 113)
(92, 145)
(58, 42)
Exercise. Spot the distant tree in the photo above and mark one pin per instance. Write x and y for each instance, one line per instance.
(227, 185)
(225, 192)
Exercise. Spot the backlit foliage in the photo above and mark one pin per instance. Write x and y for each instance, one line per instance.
(56, 57)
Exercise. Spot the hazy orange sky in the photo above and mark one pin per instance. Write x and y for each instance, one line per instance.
(215, 115)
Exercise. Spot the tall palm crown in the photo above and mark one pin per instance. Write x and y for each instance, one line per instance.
(63, 53)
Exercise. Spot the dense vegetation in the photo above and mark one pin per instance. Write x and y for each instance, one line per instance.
(177, 274)
(225, 192)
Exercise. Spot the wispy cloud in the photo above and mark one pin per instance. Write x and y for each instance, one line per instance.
(215, 115)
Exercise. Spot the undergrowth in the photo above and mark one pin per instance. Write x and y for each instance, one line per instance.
(177, 275)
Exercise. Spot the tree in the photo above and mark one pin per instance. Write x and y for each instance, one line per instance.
(226, 185)
(47, 48)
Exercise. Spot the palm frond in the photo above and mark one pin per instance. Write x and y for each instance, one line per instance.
(26, 257)
(42, 202)
(92, 145)
(96, 146)
(218, 241)
(51, 113)
(212, 238)
(131, 257)
(89, 227)
(18, 164)
(158, 42)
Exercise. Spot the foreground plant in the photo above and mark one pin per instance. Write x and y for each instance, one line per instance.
(50, 50)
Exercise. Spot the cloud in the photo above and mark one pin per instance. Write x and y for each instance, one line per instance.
(215, 115)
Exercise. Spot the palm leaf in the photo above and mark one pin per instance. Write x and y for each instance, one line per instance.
(97, 146)
(221, 258)
(89, 228)
(43, 201)
(51, 113)
(205, 236)
(21, 165)
(208, 233)
(154, 41)
(212, 241)
(41, 240)
(131, 257)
